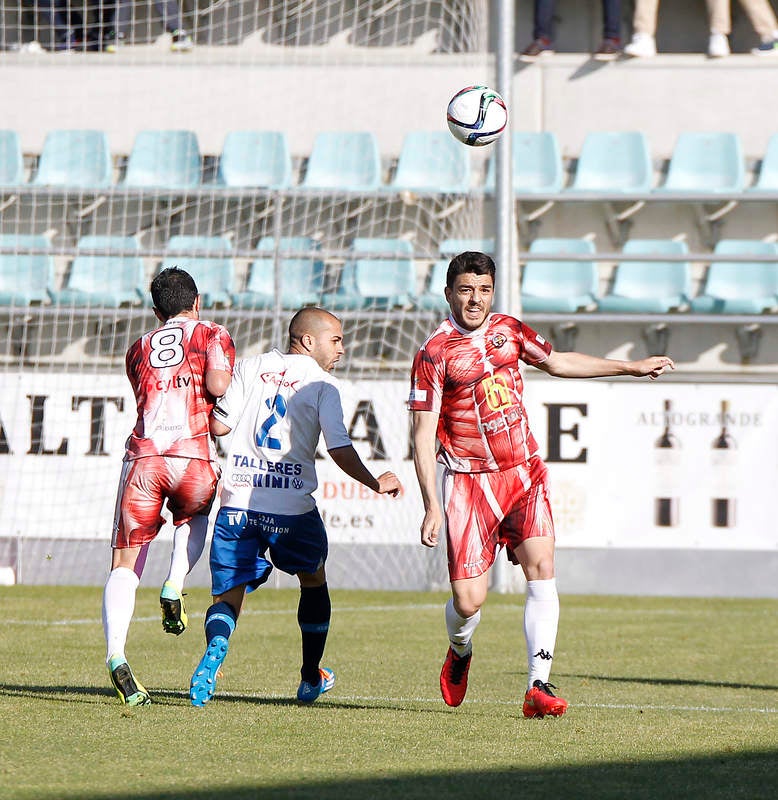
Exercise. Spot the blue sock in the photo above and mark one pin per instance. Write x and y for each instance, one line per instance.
(220, 620)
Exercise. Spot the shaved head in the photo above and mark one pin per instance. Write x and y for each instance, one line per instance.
(316, 333)
(309, 320)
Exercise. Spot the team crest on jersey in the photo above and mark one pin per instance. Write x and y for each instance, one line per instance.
(499, 339)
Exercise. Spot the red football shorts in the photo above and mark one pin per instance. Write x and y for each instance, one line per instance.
(188, 485)
(485, 510)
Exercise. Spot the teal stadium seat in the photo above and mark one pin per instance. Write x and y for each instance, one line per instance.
(345, 161)
(452, 247)
(650, 287)
(375, 283)
(11, 160)
(25, 278)
(706, 162)
(432, 161)
(108, 279)
(563, 285)
(738, 287)
(617, 161)
(302, 278)
(433, 297)
(767, 179)
(537, 164)
(213, 274)
(78, 159)
(258, 159)
(168, 159)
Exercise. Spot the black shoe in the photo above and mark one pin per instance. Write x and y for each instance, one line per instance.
(182, 42)
(540, 47)
(609, 50)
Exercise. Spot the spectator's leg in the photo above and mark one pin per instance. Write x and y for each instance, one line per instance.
(644, 20)
(170, 10)
(762, 18)
(543, 20)
(611, 18)
(719, 18)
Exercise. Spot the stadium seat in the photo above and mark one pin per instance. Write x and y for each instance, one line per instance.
(377, 283)
(11, 160)
(706, 162)
(164, 160)
(767, 180)
(537, 164)
(255, 159)
(78, 159)
(301, 278)
(108, 279)
(738, 287)
(562, 285)
(25, 278)
(452, 247)
(432, 161)
(214, 275)
(433, 297)
(650, 286)
(614, 162)
(343, 160)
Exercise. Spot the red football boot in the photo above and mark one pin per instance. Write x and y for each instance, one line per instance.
(540, 701)
(453, 677)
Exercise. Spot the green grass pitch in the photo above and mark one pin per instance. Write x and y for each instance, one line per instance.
(669, 698)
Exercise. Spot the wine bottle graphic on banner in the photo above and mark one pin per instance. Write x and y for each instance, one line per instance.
(667, 455)
(724, 462)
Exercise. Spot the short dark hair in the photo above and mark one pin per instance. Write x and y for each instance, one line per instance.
(469, 261)
(173, 290)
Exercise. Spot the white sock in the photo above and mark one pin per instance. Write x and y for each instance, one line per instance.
(188, 544)
(118, 607)
(460, 629)
(541, 617)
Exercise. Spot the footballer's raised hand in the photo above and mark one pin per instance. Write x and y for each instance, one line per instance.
(653, 366)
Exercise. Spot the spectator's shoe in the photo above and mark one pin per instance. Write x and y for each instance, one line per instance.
(540, 701)
(609, 50)
(182, 42)
(643, 45)
(203, 683)
(67, 42)
(718, 46)
(767, 48)
(112, 41)
(453, 677)
(309, 692)
(174, 618)
(537, 49)
(128, 688)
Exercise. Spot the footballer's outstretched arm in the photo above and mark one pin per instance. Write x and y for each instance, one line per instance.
(349, 461)
(581, 365)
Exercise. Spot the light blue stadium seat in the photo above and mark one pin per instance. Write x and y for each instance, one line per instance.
(651, 287)
(214, 275)
(433, 297)
(77, 159)
(344, 160)
(767, 180)
(25, 278)
(614, 161)
(168, 159)
(302, 278)
(255, 159)
(452, 247)
(108, 279)
(738, 287)
(559, 286)
(377, 283)
(706, 162)
(11, 159)
(537, 164)
(432, 161)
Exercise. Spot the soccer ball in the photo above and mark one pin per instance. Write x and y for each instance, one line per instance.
(477, 115)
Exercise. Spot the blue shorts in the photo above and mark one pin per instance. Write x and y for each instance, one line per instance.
(297, 543)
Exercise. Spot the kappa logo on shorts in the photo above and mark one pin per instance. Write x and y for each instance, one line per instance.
(236, 517)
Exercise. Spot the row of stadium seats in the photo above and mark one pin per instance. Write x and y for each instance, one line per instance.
(609, 162)
(381, 274)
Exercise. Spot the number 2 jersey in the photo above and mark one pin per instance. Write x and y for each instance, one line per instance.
(276, 406)
(166, 368)
(472, 380)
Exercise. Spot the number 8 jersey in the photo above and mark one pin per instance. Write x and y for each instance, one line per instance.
(166, 368)
(472, 379)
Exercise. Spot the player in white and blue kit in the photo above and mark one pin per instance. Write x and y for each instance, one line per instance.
(276, 407)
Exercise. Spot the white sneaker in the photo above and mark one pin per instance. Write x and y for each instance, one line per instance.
(718, 45)
(643, 45)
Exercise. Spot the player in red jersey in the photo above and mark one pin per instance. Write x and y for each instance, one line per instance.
(466, 393)
(177, 372)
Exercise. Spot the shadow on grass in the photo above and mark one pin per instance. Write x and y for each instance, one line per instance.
(743, 776)
(671, 681)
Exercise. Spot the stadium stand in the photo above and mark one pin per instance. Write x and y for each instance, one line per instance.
(25, 278)
(432, 161)
(258, 159)
(345, 161)
(165, 160)
(75, 159)
(214, 274)
(11, 159)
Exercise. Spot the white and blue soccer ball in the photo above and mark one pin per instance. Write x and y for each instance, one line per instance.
(476, 115)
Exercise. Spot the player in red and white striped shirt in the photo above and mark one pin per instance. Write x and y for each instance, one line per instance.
(177, 372)
(466, 395)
